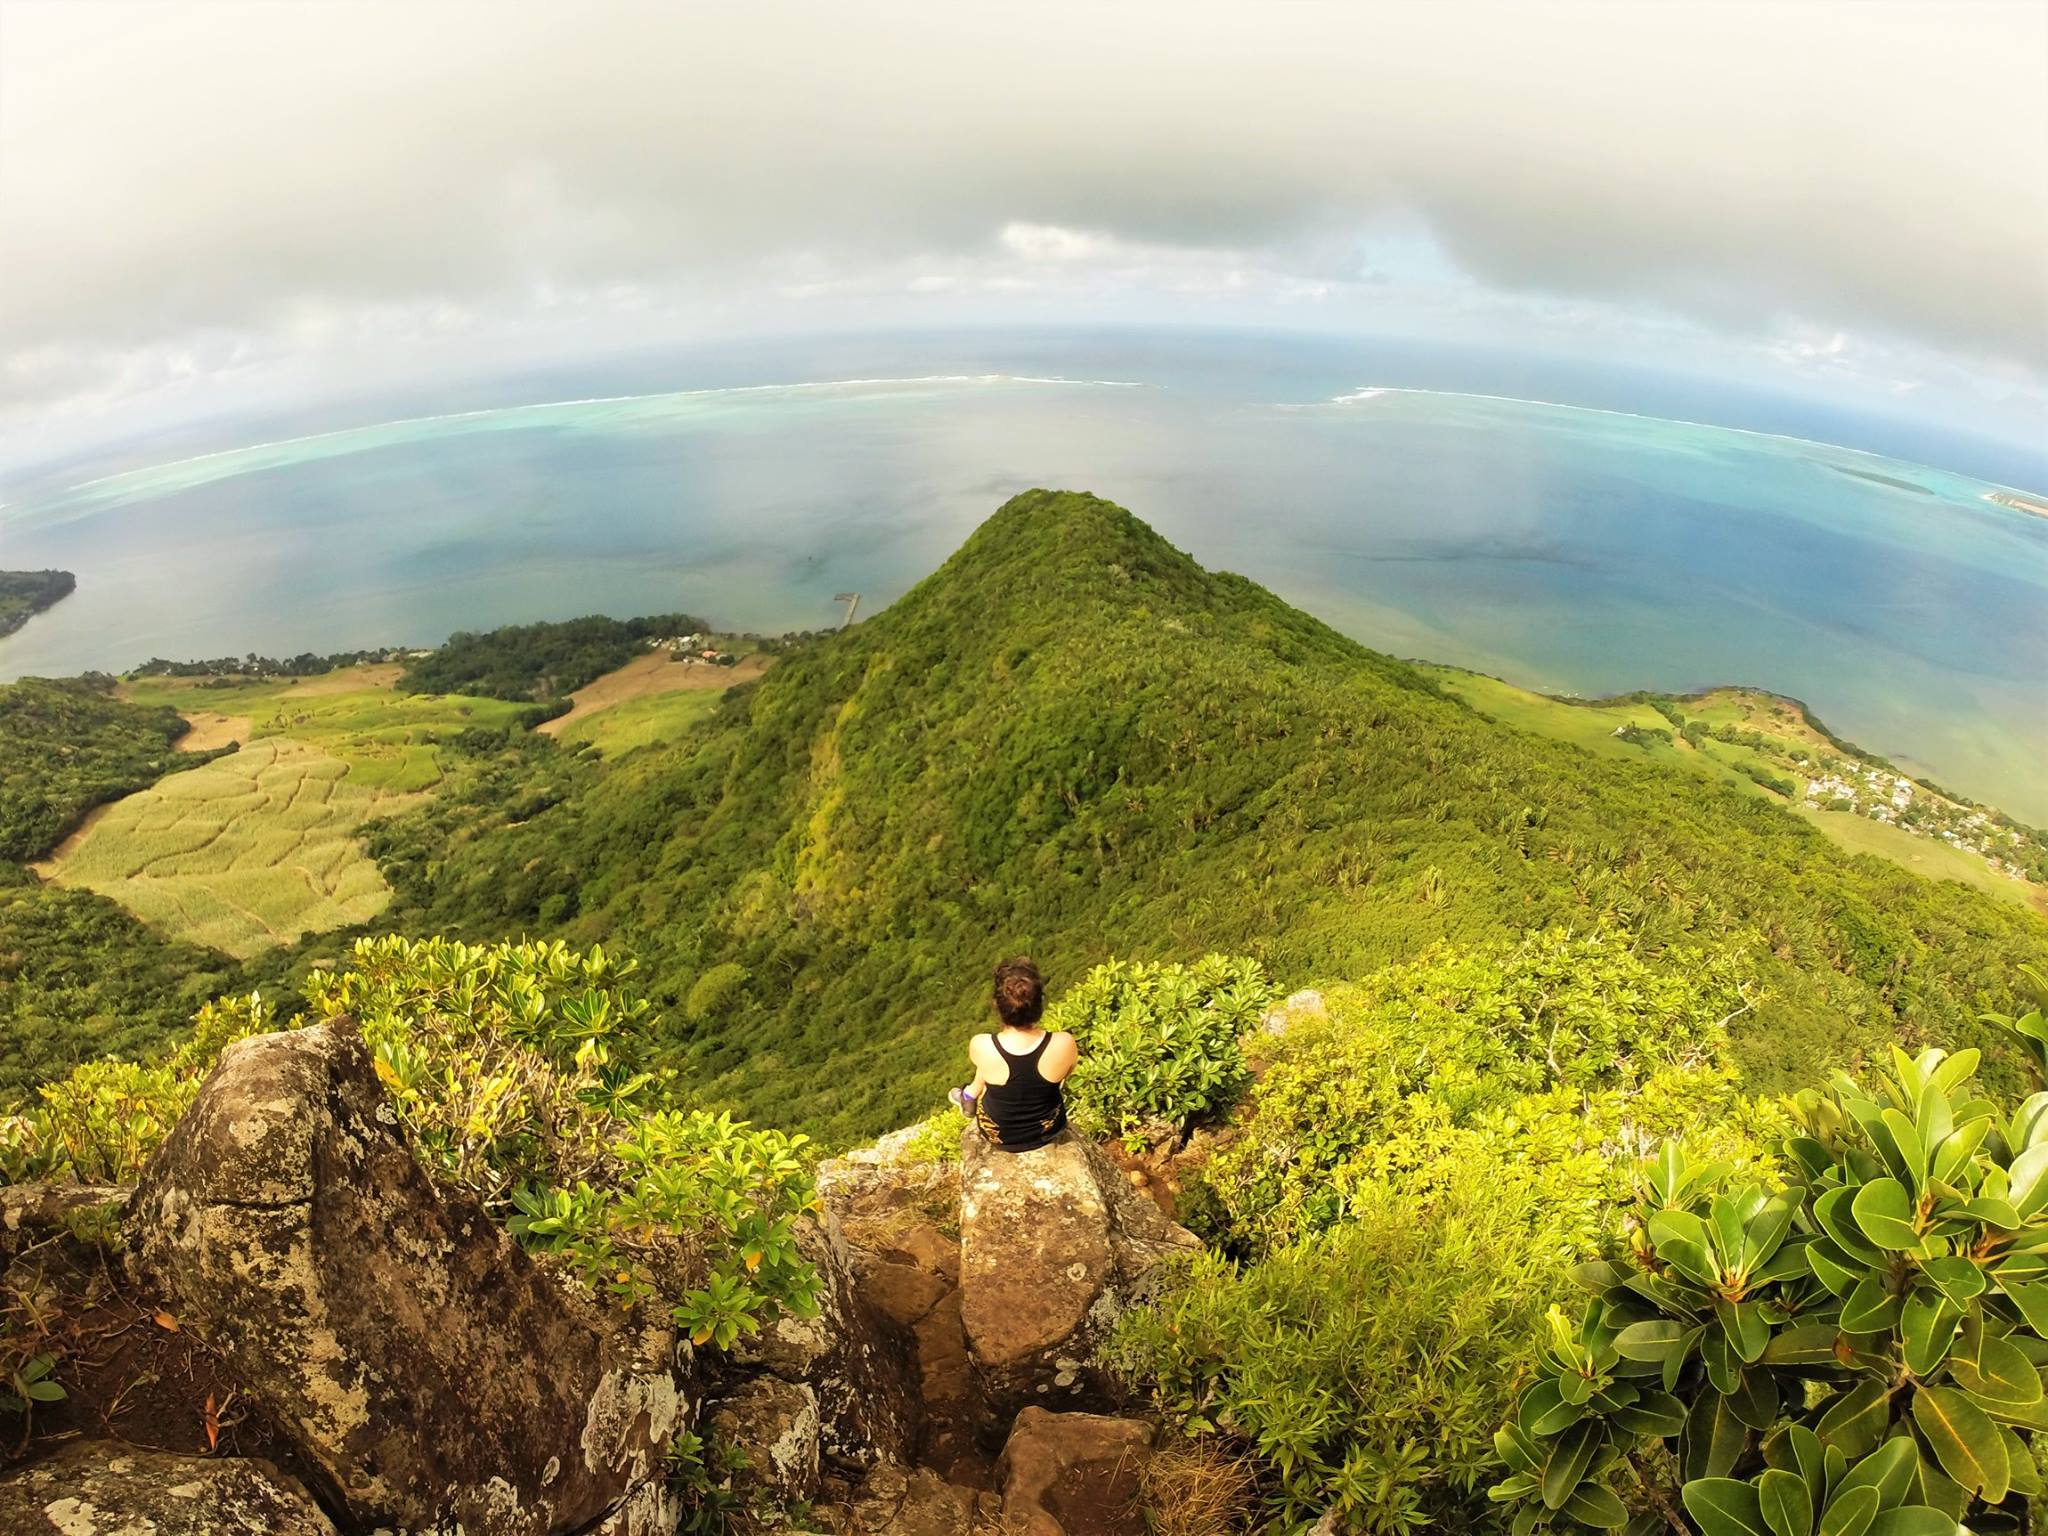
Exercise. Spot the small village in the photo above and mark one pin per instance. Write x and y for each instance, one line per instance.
(1864, 789)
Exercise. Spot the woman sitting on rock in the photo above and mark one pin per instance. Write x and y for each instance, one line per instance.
(1015, 1097)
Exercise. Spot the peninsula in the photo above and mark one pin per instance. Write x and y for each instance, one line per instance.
(24, 594)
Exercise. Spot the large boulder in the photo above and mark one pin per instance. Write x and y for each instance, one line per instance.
(430, 1368)
(1053, 1244)
(103, 1488)
(1077, 1471)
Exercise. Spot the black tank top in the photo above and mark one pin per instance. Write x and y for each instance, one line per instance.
(1025, 1112)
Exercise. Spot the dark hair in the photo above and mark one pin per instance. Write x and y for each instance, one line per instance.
(1020, 994)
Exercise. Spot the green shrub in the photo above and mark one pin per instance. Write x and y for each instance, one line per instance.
(715, 991)
(1160, 1044)
(1857, 1352)
(937, 1138)
(1364, 1369)
(100, 1123)
(519, 1069)
(1571, 1052)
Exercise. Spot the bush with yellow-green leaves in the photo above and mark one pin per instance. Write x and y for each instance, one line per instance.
(1161, 1045)
(520, 1072)
(1401, 1197)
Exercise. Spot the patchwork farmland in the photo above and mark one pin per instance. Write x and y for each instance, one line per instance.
(261, 847)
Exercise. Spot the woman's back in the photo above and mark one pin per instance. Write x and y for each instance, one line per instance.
(1027, 1109)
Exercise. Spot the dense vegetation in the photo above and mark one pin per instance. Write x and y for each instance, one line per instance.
(540, 661)
(1071, 740)
(519, 1072)
(1414, 1168)
(69, 745)
(239, 668)
(24, 594)
(80, 978)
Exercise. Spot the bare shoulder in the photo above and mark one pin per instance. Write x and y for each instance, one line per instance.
(980, 1048)
(1061, 1052)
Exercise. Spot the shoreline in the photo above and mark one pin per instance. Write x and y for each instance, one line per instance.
(2018, 501)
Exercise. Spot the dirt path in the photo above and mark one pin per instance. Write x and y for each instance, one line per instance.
(46, 868)
(207, 730)
(645, 676)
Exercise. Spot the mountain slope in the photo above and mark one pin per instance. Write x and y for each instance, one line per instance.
(1072, 740)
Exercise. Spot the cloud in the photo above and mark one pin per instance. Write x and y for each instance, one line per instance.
(221, 178)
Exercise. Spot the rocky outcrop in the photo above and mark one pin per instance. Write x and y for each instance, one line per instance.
(919, 1502)
(102, 1488)
(773, 1424)
(1052, 1245)
(866, 1405)
(1065, 1472)
(423, 1362)
(901, 1221)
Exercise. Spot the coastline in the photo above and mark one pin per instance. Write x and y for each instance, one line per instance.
(2018, 501)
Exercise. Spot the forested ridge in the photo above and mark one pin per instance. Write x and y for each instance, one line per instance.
(1072, 740)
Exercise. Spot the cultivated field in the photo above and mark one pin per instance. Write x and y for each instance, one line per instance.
(253, 849)
(643, 679)
(637, 722)
(260, 847)
(390, 740)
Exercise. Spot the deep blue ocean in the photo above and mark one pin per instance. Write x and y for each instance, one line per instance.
(1429, 503)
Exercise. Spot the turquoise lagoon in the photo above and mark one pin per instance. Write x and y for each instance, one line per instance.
(1564, 548)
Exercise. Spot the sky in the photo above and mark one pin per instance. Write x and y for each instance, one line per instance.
(206, 205)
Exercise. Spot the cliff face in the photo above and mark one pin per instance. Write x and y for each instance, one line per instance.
(427, 1374)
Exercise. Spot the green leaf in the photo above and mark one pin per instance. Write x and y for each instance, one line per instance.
(1963, 1439)
(1544, 1411)
(2026, 1477)
(1654, 1413)
(1744, 1325)
(1568, 1461)
(1999, 1373)
(1655, 1340)
(1928, 1324)
(1724, 1367)
(1596, 1506)
(1960, 1280)
(1911, 1153)
(1884, 1214)
(1811, 1458)
(1957, 1148)
(1913, 1520)
(1516, 1449)
(2029, 1176)
(1755, 1399)
(1849, 1514)
(1889, 1469)
(1991, 1210)
(1871, 1307)
(1856, 1420)
(1714, 1438)
(1802, 1344)
(2032, 1300)
(1725, 1506)
(1834, 1268)
(1768, 1230)
(1832, 1210)
(1787, 1503)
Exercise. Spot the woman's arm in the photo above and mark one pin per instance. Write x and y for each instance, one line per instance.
(1062, 1052)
